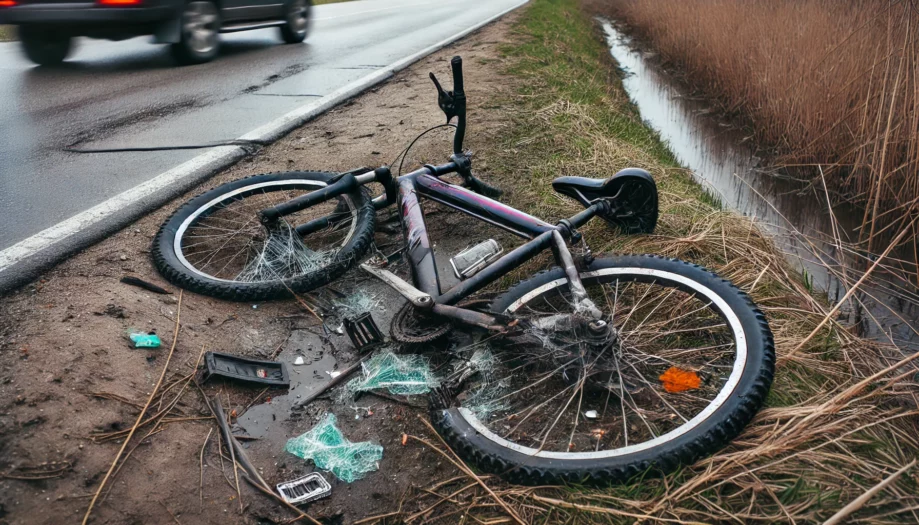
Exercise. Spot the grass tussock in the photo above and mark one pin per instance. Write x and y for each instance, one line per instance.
(819, 82)
(842, 415)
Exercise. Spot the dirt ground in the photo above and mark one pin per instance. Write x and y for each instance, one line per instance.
(69, 373)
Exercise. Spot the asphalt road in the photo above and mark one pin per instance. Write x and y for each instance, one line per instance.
(130, 94)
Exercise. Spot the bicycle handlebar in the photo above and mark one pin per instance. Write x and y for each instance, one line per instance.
(457, 64)
(459, 99)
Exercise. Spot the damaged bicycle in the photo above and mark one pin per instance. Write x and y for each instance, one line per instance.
(595, 371)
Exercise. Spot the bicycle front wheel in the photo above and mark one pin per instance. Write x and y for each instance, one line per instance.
(215, 244)
(681, 363)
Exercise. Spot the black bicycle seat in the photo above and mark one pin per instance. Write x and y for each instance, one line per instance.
(585, 190)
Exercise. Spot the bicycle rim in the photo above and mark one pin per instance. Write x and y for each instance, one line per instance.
(223, 239)
(558, 390)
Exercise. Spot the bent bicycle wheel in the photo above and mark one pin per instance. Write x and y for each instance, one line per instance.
(682, 363)
(215, 244)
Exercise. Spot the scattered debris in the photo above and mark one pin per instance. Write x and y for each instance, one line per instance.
(299, 360)
(333, 373)
(331, 384)
(363, 332)
(242, 369)
(142, 340)
(308, 488)
(134, 281)
(401, 375)
(330, 450)
(678, 380)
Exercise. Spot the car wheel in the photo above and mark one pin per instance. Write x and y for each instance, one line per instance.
(200, 38)
(43, 46)
(297, 21)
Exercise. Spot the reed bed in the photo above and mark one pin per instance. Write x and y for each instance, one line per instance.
(816, 82)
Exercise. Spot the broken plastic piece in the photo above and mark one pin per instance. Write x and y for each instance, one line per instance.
(678, 380)
(299, 360)
(364, 333)
(591, 414)
(269, 373)
(142, 340)
(330, 450)
(308, 488)
(401, 375)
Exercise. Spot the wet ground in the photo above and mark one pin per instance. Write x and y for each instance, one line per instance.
(804, 226)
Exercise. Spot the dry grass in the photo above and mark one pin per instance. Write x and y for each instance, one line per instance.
(819, 82)
(842, 415)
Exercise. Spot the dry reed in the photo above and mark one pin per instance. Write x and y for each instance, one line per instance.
(817, 82)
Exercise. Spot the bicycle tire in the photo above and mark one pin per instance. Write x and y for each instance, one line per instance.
(170, 265)
(724, 424)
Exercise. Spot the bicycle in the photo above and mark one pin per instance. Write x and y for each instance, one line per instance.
(599, 370)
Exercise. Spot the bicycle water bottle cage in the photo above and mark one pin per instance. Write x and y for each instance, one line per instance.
(449, 103)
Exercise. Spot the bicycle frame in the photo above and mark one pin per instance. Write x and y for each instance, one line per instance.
(426, 292)
(406, 190)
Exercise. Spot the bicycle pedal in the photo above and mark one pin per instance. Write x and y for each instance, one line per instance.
(363, 332)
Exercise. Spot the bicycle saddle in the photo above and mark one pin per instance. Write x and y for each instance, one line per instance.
(585, 190)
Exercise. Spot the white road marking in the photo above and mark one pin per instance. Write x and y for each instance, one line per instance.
(218, 157)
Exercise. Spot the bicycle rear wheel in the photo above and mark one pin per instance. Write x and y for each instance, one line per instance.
(683, 363)
(215, 244)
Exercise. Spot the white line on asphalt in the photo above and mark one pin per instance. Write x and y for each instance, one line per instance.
(218, 156)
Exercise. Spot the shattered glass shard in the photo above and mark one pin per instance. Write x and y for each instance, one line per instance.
(330, 450)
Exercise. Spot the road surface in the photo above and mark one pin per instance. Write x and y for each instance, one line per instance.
(130, 94)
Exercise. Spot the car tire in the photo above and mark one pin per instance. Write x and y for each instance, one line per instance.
(45, 47)
(297, 21)
(199, 33)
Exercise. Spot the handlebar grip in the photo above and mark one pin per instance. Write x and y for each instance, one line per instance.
(483, 188)
(457, 64)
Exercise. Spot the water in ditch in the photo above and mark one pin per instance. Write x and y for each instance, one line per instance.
(799, 218)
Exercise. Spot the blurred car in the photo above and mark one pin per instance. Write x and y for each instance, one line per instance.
(47, 27)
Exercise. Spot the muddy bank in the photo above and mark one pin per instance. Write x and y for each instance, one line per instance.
(69, 372)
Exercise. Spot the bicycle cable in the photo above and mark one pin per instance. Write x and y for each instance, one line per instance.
(405, 151)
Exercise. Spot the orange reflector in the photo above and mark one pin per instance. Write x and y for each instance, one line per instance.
(677, 380)
(7, 3)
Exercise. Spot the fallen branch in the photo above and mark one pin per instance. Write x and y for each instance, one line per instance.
(250, 473)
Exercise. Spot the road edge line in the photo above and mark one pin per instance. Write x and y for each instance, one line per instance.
(28, 258)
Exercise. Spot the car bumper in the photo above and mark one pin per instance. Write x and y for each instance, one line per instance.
(83, 13)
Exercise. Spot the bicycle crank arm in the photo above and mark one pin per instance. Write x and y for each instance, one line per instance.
(412, 294)
(422, 300)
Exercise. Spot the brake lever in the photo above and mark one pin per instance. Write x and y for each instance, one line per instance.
(445, 99)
